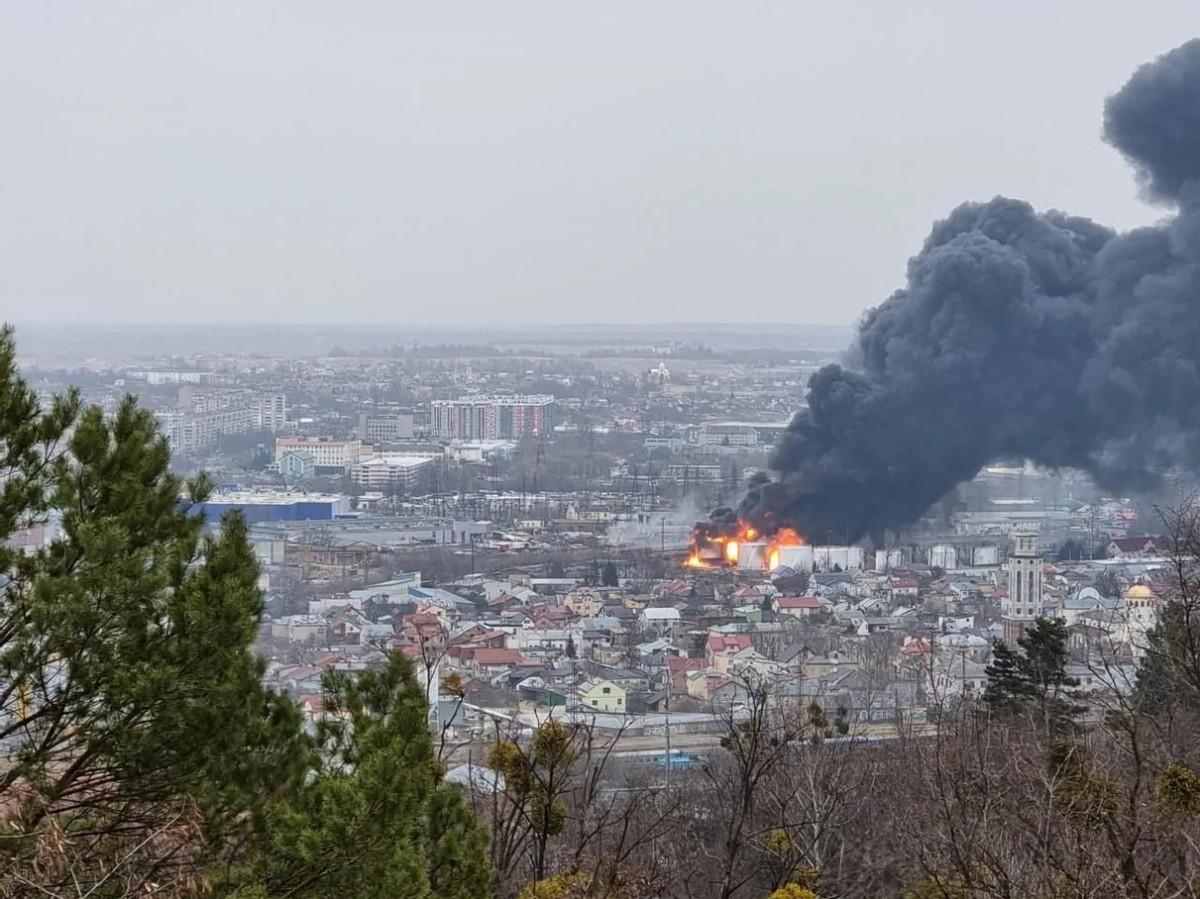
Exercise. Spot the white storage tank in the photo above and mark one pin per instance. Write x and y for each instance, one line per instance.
(798, 558)
(943, 556)
(838, 558)
(986, 556)
(752, 556)
(887, 559)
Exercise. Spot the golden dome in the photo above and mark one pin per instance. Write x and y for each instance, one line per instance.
(1139, 591)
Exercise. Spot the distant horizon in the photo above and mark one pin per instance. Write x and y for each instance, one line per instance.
(425, 325)
(122, 343)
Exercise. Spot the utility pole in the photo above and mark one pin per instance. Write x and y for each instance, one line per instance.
(670, 759)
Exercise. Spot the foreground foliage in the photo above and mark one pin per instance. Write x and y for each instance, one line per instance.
(139, 753)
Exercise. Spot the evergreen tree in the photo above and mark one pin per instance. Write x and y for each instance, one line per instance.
(131, 711)
(1032, 679)
(1169, 675)
(608, 576)
(372, 817)
(141, 754)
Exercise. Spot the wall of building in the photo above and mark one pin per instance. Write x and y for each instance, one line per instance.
(492, 418)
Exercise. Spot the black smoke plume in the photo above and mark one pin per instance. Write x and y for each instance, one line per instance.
(1019, 335)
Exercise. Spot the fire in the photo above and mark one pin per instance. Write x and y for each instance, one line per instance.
(787, 537)
(717, 546)
(782, 537)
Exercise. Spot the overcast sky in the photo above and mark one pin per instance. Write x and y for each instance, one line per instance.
(509, 162)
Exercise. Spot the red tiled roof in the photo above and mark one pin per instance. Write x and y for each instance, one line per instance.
(423, 618)
(798, 602)
(678, 665)
(496, 657)
(728, 642)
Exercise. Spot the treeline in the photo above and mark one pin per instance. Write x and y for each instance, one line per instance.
(140, 754)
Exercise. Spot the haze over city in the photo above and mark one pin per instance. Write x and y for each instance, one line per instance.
(530, 163)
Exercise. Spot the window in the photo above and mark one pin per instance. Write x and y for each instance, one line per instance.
(606, 690)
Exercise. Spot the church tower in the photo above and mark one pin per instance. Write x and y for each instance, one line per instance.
(1024, 601)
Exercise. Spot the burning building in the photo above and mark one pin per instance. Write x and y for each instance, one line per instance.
(726, 541)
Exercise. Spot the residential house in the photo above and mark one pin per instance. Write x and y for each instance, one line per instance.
(1132, 548)
(823, 666)
(427, 631)
(661, 620)
(345, 625)
(705, 683)
(721, 648)
(584, 603)
(602, 696)
(796, 606)
(629, 678)
(679, 668)
(551, 642)
(299, 629)
(491, 661)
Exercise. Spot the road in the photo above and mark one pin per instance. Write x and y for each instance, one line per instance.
(627, 743)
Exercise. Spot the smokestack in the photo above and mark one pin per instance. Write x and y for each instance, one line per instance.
(1019, 334)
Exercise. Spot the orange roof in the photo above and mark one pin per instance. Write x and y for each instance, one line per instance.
(798, 602)
(497, 657)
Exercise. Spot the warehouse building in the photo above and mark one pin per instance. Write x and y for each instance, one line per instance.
(258, 506)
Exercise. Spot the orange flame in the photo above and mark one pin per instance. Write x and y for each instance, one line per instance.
(787, 537)
(708, 550)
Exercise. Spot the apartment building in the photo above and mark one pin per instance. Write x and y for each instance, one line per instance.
(492, 417)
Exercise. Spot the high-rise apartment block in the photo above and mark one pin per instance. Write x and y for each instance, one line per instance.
(272, 411)
(492, 417)
(205, 415)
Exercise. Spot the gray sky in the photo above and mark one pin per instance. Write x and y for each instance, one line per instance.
(509, 162)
